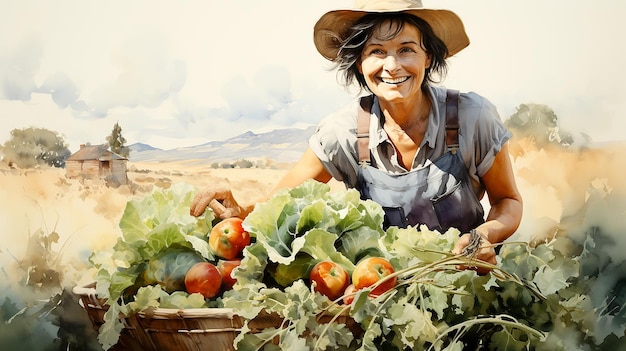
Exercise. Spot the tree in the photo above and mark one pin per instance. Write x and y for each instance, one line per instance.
(117, 141)
(540, 123)
(31, 147)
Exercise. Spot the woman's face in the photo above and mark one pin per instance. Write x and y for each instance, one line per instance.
(394, 69)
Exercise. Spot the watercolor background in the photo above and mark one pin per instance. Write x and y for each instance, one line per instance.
(185, 73)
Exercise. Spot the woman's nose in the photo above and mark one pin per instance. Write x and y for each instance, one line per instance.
(391, 64)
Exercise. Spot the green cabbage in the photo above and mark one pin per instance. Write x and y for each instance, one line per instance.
(169, 267)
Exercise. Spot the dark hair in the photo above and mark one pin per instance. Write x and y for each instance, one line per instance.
(352, 46)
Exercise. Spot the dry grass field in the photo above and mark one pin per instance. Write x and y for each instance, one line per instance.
(85, 214)
(49, 224)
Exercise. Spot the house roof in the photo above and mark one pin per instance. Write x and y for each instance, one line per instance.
(94, 152)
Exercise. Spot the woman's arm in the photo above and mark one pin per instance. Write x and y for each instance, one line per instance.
(505, 214)
(222, 202)
(308, 167)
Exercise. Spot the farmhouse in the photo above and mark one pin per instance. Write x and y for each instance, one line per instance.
(96, 161)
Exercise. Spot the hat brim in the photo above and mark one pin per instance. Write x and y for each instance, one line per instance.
(334, 25)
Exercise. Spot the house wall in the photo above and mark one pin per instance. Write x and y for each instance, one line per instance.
(88, 168)
(92, 169)
(73, 168)
(118, 171)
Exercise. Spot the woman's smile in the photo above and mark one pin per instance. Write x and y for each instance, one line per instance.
(394, 68)
(394, 81)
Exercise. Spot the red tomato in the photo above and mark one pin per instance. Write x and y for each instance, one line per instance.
(228, 238)
(370, 270)
(226, 268)
(330, 279)
(348, 294)
(203, 278)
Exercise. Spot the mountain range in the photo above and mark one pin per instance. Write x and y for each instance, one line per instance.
(280, 146)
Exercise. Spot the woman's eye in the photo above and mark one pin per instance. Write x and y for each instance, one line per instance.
(407, 50)
(376, 52)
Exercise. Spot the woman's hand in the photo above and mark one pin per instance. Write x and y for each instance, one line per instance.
(476, 248)
(220, 200)
(505, 213)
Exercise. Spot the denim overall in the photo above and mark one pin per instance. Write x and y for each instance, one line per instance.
(438, 195)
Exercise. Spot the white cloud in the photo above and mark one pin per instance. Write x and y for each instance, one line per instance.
(18, 67)
(194, 71)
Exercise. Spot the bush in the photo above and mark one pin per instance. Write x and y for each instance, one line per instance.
(32, 147)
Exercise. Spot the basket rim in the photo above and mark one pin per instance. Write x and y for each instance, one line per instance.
(176, 313)
(89, 292)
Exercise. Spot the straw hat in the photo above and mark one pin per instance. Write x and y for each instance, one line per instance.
(335, 24)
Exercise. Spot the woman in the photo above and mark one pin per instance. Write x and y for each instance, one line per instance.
(426, 154)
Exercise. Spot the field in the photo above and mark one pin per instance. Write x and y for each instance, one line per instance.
(50, 224)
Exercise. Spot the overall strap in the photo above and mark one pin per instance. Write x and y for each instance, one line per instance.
(363, 129)
(452, 120)
(363, 124)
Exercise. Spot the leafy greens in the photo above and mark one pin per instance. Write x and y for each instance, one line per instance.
(534, 298)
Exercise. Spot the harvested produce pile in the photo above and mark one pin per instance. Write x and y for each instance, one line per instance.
(529, 301)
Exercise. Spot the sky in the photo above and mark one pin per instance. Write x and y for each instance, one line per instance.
(176, 74)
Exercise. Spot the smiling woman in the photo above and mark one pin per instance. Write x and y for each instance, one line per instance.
(425, 153)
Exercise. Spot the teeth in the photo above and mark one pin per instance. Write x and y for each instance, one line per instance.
(394, 80)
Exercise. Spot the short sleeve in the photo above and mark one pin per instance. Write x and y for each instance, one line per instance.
(482, 133)
(334, 143)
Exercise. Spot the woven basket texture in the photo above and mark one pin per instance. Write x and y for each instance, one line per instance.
(163, 329)
(193, 329)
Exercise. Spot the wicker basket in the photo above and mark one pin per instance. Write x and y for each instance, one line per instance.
(165, 329)
(189, 329)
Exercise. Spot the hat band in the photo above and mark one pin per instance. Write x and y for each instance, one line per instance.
(387, 5)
